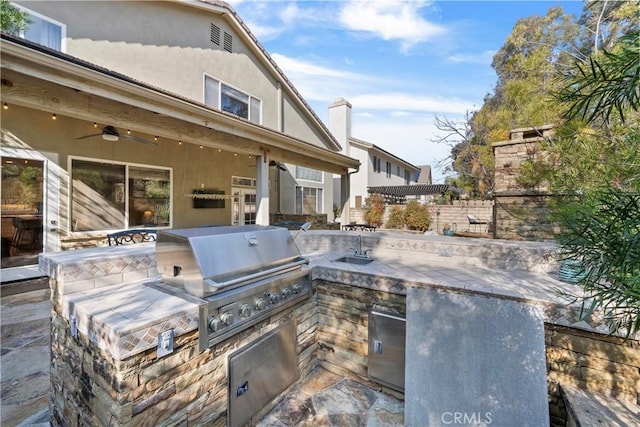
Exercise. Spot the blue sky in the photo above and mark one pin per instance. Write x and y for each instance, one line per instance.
(399, 63)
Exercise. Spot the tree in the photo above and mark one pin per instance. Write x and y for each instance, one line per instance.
(12, 19)
(538, 48)
(604, 84)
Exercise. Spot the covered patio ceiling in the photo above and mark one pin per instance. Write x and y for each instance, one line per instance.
(47, 80)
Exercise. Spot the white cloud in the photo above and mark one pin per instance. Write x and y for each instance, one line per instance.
(390, 20)
(299, 67)
(411, 102)
(483, 58)
(401, 114)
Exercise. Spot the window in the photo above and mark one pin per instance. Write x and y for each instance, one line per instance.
(376, 164)
(388, 169)
(308, 200)
(223, 97)
(407, 177)
(43, 30)
(398, 170)
(308, 174)
(108, 196)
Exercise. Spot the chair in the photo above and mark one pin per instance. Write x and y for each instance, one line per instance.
(131, 236)
(476, 222)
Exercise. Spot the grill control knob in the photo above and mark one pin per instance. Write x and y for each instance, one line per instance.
(286, 293)
(245, 310)
(296, 288)
(274, 298)
(214, 324)
(227, 318)
(261, 304)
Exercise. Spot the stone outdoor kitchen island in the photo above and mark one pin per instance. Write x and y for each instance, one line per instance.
(109, 307)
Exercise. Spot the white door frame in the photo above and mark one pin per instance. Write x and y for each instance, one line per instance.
(52, 177)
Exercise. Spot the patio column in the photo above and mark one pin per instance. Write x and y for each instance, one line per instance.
(262, 190)
(345, 216)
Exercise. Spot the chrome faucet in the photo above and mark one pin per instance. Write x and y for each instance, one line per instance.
(359, 252)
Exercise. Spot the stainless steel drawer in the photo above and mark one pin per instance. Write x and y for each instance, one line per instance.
(387, 349)
(261, 371)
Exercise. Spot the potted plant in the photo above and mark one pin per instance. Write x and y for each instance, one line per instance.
(447, 230)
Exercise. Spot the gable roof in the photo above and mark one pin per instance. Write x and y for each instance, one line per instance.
(232, 17)
(374, 148)
(424, 176)
(74, 83)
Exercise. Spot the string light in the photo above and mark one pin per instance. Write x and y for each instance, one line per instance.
(53, 116)
(128, 131)
(235, 154)
(179, 142)
(201, 146)
(219, 150)
(5, 106)
(95, 125)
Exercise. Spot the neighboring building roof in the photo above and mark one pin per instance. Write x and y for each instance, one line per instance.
(372, 147)
(412, 190)
(424, 176)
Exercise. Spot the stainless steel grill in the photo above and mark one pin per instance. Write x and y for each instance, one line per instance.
(243, 274)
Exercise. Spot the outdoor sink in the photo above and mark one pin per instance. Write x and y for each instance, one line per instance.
(354, 260)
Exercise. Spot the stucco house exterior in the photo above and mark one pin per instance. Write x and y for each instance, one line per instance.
(149, 114)
(378, 166)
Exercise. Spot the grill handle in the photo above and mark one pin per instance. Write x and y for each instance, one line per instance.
(259, 275)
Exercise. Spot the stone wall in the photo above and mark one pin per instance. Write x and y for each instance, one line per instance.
(455, 213)
(89, 387)
(595, 362)
(343, 328)
(523, 145)
(523, 217)
(521, 212)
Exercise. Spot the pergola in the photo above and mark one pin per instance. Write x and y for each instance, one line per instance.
(397, 194)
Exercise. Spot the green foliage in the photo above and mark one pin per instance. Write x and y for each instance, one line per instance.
(597, 174)
(374, 213)
(396, 218)
(12, 19)
(601, 229)
(606, 83)
(533, 173)
(157, 189)
(417, 216)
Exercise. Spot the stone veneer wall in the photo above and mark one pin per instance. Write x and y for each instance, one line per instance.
(89, 387)
(343, 328)
(595, 362)
(523, 217)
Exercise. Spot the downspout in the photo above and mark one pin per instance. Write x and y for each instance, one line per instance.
(346, 193)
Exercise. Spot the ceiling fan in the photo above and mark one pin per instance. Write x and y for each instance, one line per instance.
(109, 133)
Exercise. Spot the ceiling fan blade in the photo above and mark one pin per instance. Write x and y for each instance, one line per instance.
(140, 140)
(90, 136)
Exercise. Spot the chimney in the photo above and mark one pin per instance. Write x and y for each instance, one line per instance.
(340, 122)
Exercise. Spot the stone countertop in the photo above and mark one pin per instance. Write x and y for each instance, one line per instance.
(126, 319)
(395, 272)
(121, 304)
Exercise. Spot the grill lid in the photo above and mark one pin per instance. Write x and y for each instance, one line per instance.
(204, 260)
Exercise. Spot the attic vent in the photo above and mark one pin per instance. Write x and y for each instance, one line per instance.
(215, 34)
(228, 42)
